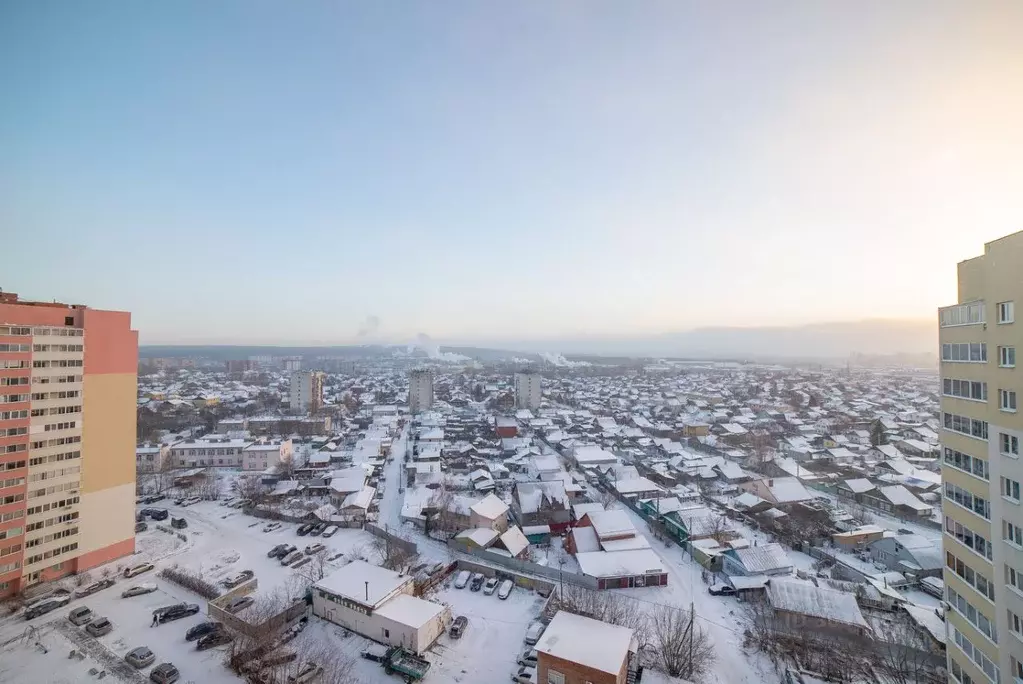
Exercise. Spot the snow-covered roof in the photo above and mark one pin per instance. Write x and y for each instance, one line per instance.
(360, 499)
(637, 484)
(592, 455)
(900, 496)
(747, 500)
(514, 540)
(611, 524)
(764, 558)
(859, 485)
(531, 494)
(731, 471)
(348, 484)
(581, 509)
(789, 490)
(587, 642)
(585, 539)
(490, 507)
(481, 536)
(796, 596)
(620, 563)
(928, 620)
(351, 582)
(409, 610)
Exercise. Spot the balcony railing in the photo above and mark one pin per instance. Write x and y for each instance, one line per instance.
(971, 313)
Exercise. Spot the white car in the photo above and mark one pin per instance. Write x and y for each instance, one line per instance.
(462, 579)
(329, 532)
(490, 587)
(504, 590)
(314, 548)
(270, 527)
(534, 632)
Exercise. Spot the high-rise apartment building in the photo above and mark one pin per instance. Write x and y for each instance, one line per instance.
(981, 470)
(68, 386)
(420, 390)
(528, 389)
(306, 391)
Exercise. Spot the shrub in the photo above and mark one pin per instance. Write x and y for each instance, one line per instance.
(190, 580)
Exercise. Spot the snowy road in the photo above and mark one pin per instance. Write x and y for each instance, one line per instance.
(390, 505)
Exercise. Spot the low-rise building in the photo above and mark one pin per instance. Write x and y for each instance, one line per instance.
(379, 604)
(266, 453)
(580, 650)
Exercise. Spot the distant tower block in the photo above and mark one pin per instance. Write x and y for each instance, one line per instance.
(420, 390)
(528, 389)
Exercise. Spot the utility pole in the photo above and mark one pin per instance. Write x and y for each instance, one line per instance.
(692, 634)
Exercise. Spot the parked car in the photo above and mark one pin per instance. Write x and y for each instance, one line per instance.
(318, 529)
(202, 629)
(138, 590)
(140, 657)
(179, 523)
(237, 578)
(164, 673)
(291, 557)
(214, 639)
(99, 627)
(180, 500)
(458, 627)
(330, 531)
(157, 513)
(44, 607)
(94, 587)
(462, 579)
(138, 569)
(375, 652)
(505, 589)
(305, 560)
(276, 551)
(314, 548)
(228, 501)
(140, 527)
(303, 530)
(534, 632)
(491, 586)
(525, 675)
(721, 590)
(238, 603)
(436, 567)
(80, 615)
(476, 583)
(306, 673)
(270, 527)
(182, 610)
(528, 658)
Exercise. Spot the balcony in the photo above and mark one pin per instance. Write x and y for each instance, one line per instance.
(956, 315)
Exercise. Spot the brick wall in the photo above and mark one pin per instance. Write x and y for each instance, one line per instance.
(576, 673)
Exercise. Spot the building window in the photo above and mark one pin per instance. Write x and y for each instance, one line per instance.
(964, 352)
(968, 500)
(1010, 489)
(1012, 533)
(1015, 624)
(976, 655)
(964, 389)
(1007, 400)
(1009, 444)
(1007, 357)
(972, 615)
(1014, 579)
(965, 425)
(387, 634)
(555, 677)
(1006, 312)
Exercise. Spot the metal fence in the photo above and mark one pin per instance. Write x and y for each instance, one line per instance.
(525, 567)
(404, 544)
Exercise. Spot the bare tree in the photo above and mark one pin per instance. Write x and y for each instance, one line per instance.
(607, 498)
(393, 555)
(606, 606)
(904, 656)
(317, 568)
(678, 644)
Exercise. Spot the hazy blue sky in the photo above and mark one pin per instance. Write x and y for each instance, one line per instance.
(277, 172)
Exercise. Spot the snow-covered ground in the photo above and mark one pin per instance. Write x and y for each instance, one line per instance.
(221, 541)
(720, 616)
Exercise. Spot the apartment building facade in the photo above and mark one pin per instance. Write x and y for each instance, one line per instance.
(306, 392)
(981, 470)
(420, 390)
(68, 383)
(528, 390)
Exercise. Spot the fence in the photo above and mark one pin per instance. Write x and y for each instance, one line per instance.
(216, 610)
(524, 568)
(404, 544)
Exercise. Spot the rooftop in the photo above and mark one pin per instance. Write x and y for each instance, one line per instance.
(364, 583)
(588, 642)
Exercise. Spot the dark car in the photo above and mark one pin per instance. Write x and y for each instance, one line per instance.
(158, 513)
(276, 551)
(458, 627)
(721, 590)
(164, 673)
(305, 529)
(214, 639)
(177, 612)
(201, 630)
(179, 523)
(141, 527)
(477, 582)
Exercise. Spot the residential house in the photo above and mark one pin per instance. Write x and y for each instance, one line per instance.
(490, 512)
(580, 650)
(763, 559)
(541, 503)
(802, 607)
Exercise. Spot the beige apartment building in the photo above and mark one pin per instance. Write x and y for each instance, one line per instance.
(68, 384)
(981, 470)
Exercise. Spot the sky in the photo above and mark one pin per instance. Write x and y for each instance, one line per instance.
(331, 172)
